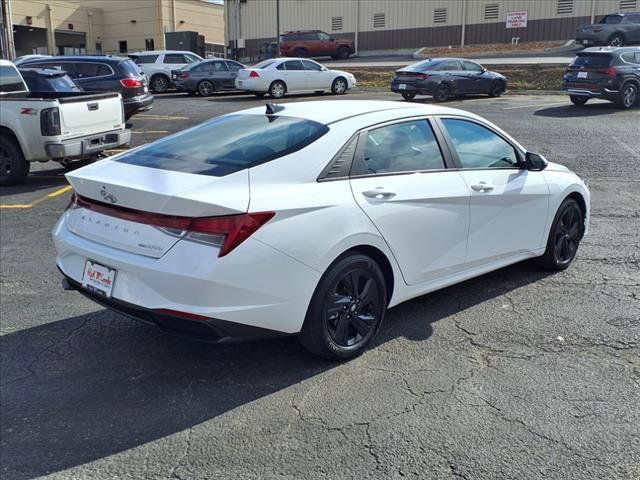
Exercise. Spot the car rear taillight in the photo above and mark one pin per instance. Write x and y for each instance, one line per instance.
(611, 71)
(131, 83)
(254, 74)
(226, 232)
(184, 74)
(50, 122)
(422, 76)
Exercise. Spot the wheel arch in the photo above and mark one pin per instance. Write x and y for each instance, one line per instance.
(582, 203)
(7, 132)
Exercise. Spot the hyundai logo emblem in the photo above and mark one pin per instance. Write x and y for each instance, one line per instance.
(108, 196)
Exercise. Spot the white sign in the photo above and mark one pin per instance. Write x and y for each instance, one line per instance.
(517, 19)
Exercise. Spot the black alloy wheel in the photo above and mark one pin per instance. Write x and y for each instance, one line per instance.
(616, 40)
(579, 101)
(497, 89)
(443, 92)
(346, 309)
(408, 95)
(564, 237)
(159, 84)
(13, 167)
(206, 88)
(628, 95)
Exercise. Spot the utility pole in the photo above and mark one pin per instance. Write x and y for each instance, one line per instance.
(464, 22)
(277, 28)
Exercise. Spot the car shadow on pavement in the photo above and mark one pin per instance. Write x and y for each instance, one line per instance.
(572, 111)
(84, 388)
(37, 181)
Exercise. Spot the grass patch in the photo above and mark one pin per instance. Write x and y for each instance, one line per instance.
(519, 77)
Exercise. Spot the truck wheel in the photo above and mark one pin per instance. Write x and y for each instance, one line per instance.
(301, 53)
(13, 167)
(343, 53)
(616, 40)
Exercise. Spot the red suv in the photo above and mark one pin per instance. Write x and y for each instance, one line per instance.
(314, 43)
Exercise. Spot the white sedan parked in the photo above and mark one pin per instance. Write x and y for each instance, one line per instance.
(280, 76)
(311, 218)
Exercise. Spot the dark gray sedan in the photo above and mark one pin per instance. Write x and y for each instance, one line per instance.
(207, 76)
(446, 77)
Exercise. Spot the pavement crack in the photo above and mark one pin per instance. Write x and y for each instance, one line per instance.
(183, 456)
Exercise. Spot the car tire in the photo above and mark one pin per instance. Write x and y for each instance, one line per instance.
(497, 89)
(159, 83)
(616, 40)
(628, 96)
(443, 92)
(343, 53)
(301, 53)
(347, 308)
(578, 101)
(339, 86)
(206, 88)
(564, 236)
(13, 166)
(277, 89)
(408, 95)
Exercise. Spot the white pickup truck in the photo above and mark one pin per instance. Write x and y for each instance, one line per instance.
(60, 126)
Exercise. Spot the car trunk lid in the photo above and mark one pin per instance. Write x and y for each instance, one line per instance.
(90, 114)
(590, 68)
(146, 210)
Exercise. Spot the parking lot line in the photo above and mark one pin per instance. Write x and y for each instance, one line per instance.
(53, 194)
(60, 191)
(536, 105)
(161, 117)
(149, 131)
(16, 206)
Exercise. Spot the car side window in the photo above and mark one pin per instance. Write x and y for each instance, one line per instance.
(219, 66)
(191, 59)
(452, 65)
(175, 58)
(280, 66)
(400, 147)
(471, 66)
(638, 58)
(141, 59)
(293, 65)
(102, 70)
(479, 147)
(629, 57)
(85, 70)
(323, 36)
(309, 65)
(10, 81)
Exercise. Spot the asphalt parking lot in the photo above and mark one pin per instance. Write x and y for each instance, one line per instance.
(516, 374)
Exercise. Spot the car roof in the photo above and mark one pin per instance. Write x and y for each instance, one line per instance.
(609, 50)
(158, 52)
(331, 111)
(47, 72)
(4, 62)
(79, 58)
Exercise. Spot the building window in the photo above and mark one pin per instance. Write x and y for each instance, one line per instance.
(440, 15)
(491, 11)
(336, 24)
(564, 6)
(149, 44)
(628, 4)
(378, 20)
(122, 46)
(98, 47)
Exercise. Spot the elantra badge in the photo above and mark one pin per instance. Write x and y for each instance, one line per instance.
(108, 196)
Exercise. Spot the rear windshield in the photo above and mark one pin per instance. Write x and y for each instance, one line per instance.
(228, 144)
(129, 68)
(592, 61)
(263, 64)
(423, 66)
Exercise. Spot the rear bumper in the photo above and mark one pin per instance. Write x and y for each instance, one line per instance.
(89, 145)
(590, 91)
(212, 330)
(425, 89)
(138, 104)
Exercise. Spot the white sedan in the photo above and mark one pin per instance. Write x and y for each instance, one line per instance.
(311, 218)
(280, 76)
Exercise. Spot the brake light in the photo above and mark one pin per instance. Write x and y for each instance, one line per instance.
(50, 122)
(423, 76)
(254, 74)
(131, 82)
(226, 232)
(611, 71)
(185, 74)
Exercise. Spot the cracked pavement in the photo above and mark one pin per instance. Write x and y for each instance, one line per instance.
(516, 374)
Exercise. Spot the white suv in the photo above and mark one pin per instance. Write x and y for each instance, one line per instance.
(157, 65)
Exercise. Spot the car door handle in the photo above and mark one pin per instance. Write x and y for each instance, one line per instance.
(379, 194)
(481, 187)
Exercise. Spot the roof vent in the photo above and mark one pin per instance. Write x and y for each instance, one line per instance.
(273, 108)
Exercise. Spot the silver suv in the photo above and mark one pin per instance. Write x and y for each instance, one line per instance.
(157, 66)
(617, 29)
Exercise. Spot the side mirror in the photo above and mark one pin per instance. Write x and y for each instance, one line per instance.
(484, 70)
(534, 162)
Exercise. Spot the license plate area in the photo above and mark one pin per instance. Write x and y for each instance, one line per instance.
(582, 74)
(402, 86)
(98, 278)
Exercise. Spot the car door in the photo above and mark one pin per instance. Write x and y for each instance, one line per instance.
(96, 77)
(508, 203)
(220, 74)
(454, 75)
(317, 78)
(295, 76)
(399, 179)
(233, 69)
(477, 78)
(327, 44)
(631, 26)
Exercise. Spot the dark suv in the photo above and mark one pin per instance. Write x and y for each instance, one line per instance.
(606, 72)
(616, 30)
(103, 73)
(314, 43)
